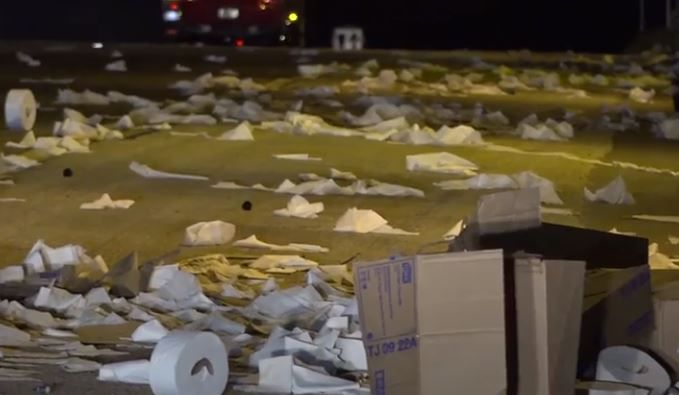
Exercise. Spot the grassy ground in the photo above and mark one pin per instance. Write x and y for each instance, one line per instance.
(163, 209)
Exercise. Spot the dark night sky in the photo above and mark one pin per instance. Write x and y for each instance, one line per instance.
(590, 25)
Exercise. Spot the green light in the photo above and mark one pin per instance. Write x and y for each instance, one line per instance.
(293, 17)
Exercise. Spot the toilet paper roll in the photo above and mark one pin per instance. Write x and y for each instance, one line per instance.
(189, 363)
(624, 364)
(20, 110)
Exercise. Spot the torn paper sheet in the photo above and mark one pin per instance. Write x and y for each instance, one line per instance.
(149, 332)
(147, 172)
(19, 161)
(302, 157)
(253, 242)
(641, 96)
(215, 59)
(118, 66)
(11, 274)
(209, 233)
(342, 175)
(613, 193)
(556, 211)
(459, 135)
(299, 207)
(130, 372)
(281, 374)
(548, 193)
(366, 221)
(442, 162)
(13, 337)
(12, 200)
(670, 219)
(28, 141)
(481, 181)
(79, 365)
(242, 132)
(124, 123)
(454, 231)
(27, 59)
(106, 202)
(87, 97)
(181, 68)
(295, 262)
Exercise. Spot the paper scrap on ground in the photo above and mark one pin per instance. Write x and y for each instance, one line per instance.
(641, 96)
(12, 200)
(366, 221)
(299, 207)
(27, 59)
(442, 162)
(19, 161)
(253, 242)
(106, 202)
(295, 262)
(149, 332)
(209, 233)
(181, 68)
(671, 219)
(28, 141)
(454, 231)
(130, 372)
(481, 181)
(613, 193)
(242, 132)
(147, 172)
(118, 66)
(281, 374)
(303, 157)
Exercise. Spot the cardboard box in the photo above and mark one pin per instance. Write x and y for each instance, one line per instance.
(665, 337)
(549, 297)
(435, 324)
(617, 310)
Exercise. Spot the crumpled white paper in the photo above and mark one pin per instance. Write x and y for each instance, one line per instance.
(442, 162)
(459, 135)
(130, 372)
(293, 262)
(641, 96)
(106, 202)
(280, 374)
(299, 207)
(209, 233)
(118, 66)
(242, 132)
(301, 157)
(613, 193)
(253, 242)
(147, 172)
(149, 332)
(366, 221)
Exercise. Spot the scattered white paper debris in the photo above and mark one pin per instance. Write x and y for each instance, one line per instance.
(27, 59)
(242, 132)
(19, 161)
(641, 96)
(11, 274)
(131, 372)
(149, 332)
(147, 172)
(209, 233)
(87, 97)
(459, 135)
(303, 157)
(299, 207)
(442, 162)
(342, 175)
(12, 337)
(280, 374)
(253, 242)
(215, 59)
(268, 262)
(106, 202)
(117, 66)
(613, 193)
(548, 194)
(181, 68)
(481, 181)
(28, 141)
(12, 200)
(124, 123)
(454, 231)
(366, 221)
(671, 219)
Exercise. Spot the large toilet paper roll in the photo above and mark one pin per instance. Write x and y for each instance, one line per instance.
(20, 110)
(626, 364)
(193, 363)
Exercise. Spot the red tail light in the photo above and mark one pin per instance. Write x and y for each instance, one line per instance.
(174, 6)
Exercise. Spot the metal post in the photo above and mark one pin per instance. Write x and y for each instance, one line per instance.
(642, 15)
